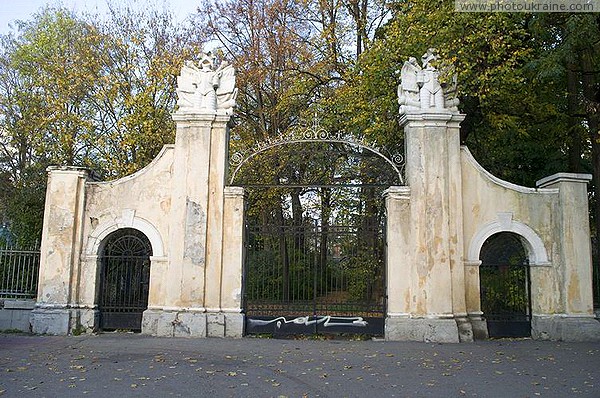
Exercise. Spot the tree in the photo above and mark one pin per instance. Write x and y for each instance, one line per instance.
(140, 56)
(43, 112)
(528, 83)
(571, 56)
(79, 90)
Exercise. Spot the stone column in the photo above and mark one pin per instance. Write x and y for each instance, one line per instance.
(473, 299)
(433, 174)
(194, 267)
(192, 292)
(214, 237)
(572, 233)
(57, 308)
(233, 261)
(455, 230)
(398, 262)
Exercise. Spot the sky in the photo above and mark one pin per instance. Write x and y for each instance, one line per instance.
(11, 10)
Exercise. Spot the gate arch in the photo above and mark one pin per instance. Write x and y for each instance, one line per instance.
(536, 251)
(124, 279)
(313, 134)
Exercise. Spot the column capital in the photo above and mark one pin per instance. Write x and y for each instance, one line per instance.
(200, 117)
(233, 191)
(73, 170)
(434, 117)
(397, 192)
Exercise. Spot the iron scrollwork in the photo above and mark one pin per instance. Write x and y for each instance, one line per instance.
(312, 133)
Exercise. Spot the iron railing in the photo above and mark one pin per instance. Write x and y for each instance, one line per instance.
(596, 286)
(332, 274)
(596, 273)
(19, 268)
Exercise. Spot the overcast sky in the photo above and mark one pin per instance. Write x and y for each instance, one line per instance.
(11, 10)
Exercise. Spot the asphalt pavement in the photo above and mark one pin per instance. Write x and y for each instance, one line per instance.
(133, 365)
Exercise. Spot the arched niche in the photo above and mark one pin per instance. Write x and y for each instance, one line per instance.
(532, 242)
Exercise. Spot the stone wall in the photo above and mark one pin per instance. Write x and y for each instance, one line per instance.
(553, 222)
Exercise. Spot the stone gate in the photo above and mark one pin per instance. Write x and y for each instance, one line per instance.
(437, 224)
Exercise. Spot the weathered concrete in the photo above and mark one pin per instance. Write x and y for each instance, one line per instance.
(179, 202)
(62, 235)
(431, 297)
(421, 329)
(15, 314)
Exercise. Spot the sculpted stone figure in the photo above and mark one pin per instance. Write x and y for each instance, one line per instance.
(408, 90)
(431, 94)
(204, 89)
(420, 87)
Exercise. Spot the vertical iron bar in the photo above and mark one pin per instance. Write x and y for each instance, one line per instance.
(2, 270)
(316, 232)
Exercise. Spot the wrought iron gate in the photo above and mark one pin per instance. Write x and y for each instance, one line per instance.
(314, 279)
(505, 286)
(125, 280)
(315, 247)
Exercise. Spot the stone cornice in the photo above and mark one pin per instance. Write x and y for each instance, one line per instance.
(425, 118)
(233, 191)
(563, 177)
(397, 192)
(200, 117)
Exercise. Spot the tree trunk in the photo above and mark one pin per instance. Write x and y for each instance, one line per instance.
(575, 147)
(297, 219)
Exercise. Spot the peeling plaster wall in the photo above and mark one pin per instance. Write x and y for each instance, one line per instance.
(141, 200)
(491, 203)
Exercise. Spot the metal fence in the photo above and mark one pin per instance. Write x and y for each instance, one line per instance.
(596, 285)
(331, 274)
(19, 269)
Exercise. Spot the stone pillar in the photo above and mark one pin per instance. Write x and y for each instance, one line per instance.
(456, 232)
(214, 237)
(233, 261)
(398, 262)
(57, 308)
(189, 209)
(472, 293)
(572, 233)
(192, 291)
(191, 294)
(438, 308)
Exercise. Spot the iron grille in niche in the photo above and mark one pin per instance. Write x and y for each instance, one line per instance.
(125, 279)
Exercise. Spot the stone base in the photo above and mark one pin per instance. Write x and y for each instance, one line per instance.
(84, 320)
(53, 321)
(565, 328)
(174, 323)
(479, 325)
(465, 329)
(62, 321)
(16, 314)
(421, 329)
(234, 324)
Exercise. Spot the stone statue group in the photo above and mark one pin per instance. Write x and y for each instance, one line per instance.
(421, 89)
(205, 88)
